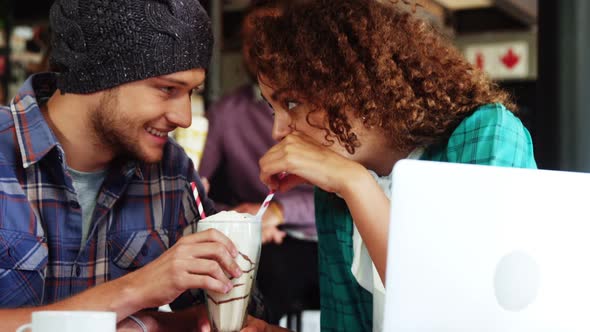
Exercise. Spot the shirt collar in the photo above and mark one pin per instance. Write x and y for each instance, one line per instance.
(35, 138)
(132, 167)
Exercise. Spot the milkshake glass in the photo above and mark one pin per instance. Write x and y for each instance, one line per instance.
(227, 312)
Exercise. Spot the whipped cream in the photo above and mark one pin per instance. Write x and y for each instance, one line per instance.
(228, 216)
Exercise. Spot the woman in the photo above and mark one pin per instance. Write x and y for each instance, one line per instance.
(357, 85)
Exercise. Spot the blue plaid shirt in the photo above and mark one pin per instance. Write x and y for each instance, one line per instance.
(141, 210)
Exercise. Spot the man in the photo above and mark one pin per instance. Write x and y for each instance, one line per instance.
(240, 127)
(91, 189)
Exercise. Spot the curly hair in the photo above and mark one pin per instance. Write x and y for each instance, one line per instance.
(373, 61)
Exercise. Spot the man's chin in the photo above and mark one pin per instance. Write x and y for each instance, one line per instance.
(149, 158)
(152, 159)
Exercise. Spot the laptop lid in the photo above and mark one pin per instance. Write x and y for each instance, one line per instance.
(481, 248)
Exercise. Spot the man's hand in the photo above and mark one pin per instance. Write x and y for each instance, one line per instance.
(201, 260)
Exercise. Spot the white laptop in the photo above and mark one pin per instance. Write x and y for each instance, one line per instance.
(480, 248)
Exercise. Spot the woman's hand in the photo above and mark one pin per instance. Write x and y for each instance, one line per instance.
(306, 161)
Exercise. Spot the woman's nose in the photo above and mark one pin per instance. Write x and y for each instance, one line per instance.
(281, 126)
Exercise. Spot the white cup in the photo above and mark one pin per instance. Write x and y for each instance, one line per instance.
(71, 321)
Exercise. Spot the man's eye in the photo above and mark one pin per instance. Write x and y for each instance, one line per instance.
(291, 105)
(167, 89)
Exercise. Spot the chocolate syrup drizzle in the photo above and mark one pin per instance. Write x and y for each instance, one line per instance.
(252, 268)
(247, 259)
(229, 300)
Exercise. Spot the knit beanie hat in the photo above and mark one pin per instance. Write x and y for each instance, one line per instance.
(100, 44)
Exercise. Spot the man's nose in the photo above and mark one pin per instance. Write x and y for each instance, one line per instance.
(180, 113)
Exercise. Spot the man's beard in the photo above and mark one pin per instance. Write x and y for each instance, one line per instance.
(113, 130)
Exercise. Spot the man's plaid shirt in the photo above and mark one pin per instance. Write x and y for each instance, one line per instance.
(141, 209)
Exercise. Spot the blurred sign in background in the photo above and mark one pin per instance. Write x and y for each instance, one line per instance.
(503, 56)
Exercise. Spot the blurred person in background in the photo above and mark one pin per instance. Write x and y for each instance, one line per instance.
(357, 85)
(239, 134)
(96, 207)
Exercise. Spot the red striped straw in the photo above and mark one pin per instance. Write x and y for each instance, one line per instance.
(198, 200)
(268, 198)
(265, 205)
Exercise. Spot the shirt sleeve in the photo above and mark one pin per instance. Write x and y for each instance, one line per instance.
(492, 136)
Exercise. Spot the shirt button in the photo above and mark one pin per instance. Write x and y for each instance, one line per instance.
(78, 270)
(74, 204)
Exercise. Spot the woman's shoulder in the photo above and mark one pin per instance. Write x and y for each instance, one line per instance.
(490, 121)
(491, 135)
(491, 115)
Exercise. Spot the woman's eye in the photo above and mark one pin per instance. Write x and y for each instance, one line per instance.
(291, 105)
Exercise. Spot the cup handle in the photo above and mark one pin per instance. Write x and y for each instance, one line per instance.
(24, 327)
